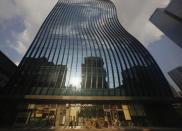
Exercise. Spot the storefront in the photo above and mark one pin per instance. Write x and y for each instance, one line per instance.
(80, 115)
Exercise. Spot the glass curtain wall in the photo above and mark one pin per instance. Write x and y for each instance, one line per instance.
(82, 49)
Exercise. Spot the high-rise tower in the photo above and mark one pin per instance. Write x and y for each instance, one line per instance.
(83, 65)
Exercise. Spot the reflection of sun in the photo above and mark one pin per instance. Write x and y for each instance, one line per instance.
(76, 82)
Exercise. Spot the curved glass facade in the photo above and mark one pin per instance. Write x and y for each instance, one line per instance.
(84, 70)
(82, 49)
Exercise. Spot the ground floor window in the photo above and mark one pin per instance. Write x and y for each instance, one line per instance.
(81, 115)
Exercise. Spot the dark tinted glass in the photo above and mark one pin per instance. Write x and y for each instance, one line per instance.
(82, 49)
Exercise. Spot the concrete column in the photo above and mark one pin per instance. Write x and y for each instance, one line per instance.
(57, 116)
(28, 118)
(126, 112)
(67, 116)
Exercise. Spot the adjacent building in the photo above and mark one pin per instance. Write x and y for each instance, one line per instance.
(7, 69)
(176, 75)
(83, 69)
(169, 21)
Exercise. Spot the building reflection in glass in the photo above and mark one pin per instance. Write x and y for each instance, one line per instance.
(93, 73)
(40, 76)
(82, 49)
(136, 81)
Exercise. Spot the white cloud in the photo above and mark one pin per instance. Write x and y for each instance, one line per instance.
(22, 42)
(134, 16)
(32, 12)
(7, 10)
(17, 63)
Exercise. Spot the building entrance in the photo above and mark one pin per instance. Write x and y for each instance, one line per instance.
(76, 115)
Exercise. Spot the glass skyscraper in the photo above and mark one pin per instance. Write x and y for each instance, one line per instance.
(84, 67)
(81, 45)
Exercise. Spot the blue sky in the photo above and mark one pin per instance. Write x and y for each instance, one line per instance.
(21, 19)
